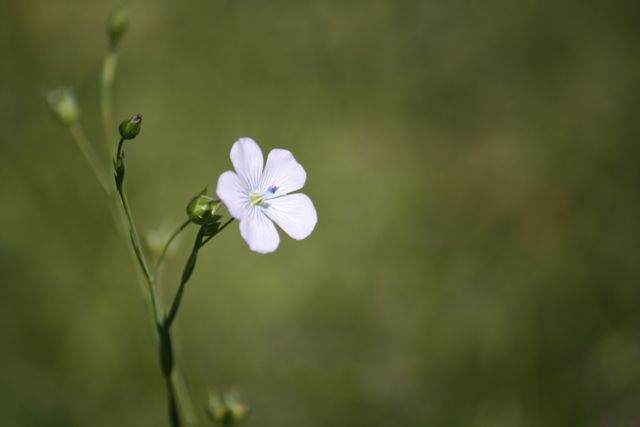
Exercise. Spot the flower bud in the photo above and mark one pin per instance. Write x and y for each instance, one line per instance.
(227, 410)
(117, 25)
(202, 208)
(64, 106)
(130, 128)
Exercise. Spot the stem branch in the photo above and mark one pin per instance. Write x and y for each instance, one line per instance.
(189, 266)
(166, 247)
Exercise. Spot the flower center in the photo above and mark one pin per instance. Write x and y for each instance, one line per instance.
(257, 199)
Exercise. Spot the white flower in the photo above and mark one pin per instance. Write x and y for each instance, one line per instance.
(257, 196)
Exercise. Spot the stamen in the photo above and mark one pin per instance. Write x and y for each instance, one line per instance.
(257, 198)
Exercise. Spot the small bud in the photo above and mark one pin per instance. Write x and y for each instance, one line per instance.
(117, 25)
(202, 208)
(227, 410)
(64, 106)
(130, 128)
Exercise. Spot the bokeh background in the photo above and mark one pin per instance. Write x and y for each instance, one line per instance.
(474, 166)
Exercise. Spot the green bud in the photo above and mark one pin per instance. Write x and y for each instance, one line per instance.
(117, 25)
(227, 410)
(202, 208)
(64, 106)
(130, 128)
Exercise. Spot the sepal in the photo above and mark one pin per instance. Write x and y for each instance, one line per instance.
(202, 209)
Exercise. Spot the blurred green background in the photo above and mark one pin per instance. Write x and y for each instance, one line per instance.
(475, 170)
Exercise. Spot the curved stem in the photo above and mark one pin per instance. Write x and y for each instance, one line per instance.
(164, 328)
(186, 274)
(188, 269)
(179, 403)
(156, 268)
(137, 248)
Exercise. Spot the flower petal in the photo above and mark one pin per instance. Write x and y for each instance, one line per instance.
(248, 162)
(294, 213)
(232, 194)
(259, 232)
(282, 174)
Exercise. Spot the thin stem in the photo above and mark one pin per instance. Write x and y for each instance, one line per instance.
(166, 247)
(126, 225)
(175, 305)
(169, 371)
(106, 106)
(179, 402)
(133, 234)
(164, 329)
(198, 244)
(119, 150)
(174, 415)
(137, 248)
(167, 364)
(90, 155)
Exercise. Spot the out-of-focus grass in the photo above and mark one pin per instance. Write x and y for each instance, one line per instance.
(474, 166)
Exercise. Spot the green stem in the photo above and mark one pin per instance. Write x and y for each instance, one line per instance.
(137, 248)
(174, 416)
(133, 232)
(179, 402)
(90, 155)
(119, 150)
(188, 269)
(167, 365)
(164, 328)
(106, 106)
(186, 274)
(166, 247)
(177, 405)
